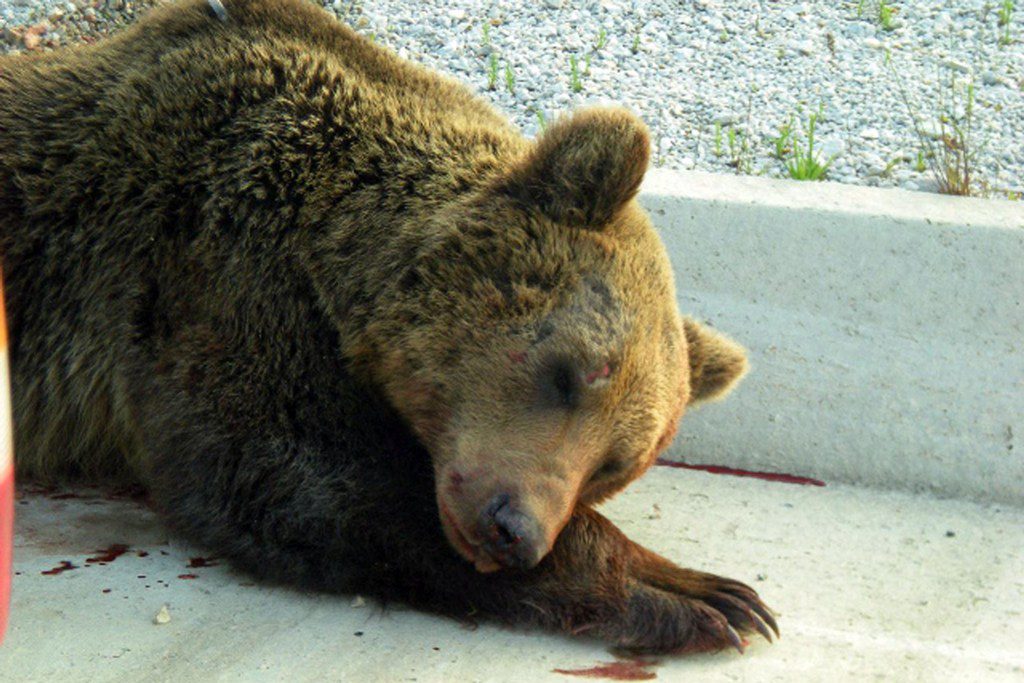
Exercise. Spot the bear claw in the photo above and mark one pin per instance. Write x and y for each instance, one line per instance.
(757, 615)
(735, 639)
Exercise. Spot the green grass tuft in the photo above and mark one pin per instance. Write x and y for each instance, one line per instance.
(575, 83)
(1005, 17)
(886, 15)
(806, 164)
(951, 152)
(542, 120)
(492, 72)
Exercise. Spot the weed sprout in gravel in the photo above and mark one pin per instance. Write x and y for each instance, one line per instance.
(745, 68)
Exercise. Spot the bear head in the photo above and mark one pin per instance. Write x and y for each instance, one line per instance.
(540, 355)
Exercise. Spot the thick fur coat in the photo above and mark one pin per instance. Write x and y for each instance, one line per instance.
(349, 327)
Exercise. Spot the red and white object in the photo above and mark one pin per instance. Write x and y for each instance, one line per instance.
(6, 473)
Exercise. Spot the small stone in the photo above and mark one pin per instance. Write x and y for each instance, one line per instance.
(876, 164)
(990, 78)
(163, 616)
(358, 602)
(726, 119)
(804, 47)
(956, 66)
(874, 43)
(832, 148)
(869, 133)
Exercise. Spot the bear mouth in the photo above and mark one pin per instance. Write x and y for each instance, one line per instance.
(460, 541)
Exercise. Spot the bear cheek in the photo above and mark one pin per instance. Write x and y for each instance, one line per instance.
(423, 408)
(680, 398)
(667, 436)
(457, 538)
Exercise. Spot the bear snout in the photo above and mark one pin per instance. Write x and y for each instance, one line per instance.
(512, 537)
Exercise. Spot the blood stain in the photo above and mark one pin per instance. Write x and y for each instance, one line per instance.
(142, 553)
(195, 562)
(108, 554)
(622, 670)
(64, 566)
(106, 590)
(767, 476)
(188, 576)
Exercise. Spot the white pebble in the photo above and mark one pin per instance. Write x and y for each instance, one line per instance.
(163, 616)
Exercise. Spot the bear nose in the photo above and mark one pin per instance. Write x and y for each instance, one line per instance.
(511, 537)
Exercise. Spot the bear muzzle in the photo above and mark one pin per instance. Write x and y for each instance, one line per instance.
(511, 537)
(503, 519)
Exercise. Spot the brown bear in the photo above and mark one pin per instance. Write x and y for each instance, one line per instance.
(351, 328)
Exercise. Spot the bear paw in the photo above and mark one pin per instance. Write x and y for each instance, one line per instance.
(685, 611)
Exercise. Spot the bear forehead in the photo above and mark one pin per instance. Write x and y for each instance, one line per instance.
(592, 310)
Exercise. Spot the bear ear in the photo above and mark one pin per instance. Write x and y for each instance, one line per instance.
(583, 168)
(717, 363)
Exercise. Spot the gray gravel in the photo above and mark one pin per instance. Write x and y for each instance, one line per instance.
(698, 69)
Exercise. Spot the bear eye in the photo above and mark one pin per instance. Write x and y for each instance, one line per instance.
(566, 385)
(560, 384)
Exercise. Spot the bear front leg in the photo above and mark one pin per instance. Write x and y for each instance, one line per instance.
(334, 493)
(286, 512)
(598, 582)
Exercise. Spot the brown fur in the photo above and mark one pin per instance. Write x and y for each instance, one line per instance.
(330, 306)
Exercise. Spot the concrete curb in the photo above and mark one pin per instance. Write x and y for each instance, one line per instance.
(885, 330)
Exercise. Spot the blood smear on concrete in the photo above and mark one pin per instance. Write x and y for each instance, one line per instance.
(108, 554)
(732, 471)
(623, 670)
